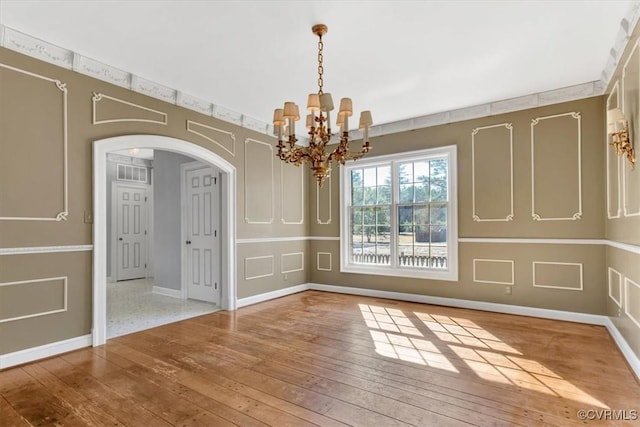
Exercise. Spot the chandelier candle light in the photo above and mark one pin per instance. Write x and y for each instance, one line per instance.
(318, 122)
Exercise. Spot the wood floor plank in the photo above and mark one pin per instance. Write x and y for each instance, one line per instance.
(9, 416)
(261, 344)
(257, 404)
(323, 359)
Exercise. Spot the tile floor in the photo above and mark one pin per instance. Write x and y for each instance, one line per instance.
(132, 307)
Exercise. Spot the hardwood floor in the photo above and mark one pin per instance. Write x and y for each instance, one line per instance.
(317, 358)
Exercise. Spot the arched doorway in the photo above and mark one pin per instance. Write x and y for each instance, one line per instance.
(228, 229)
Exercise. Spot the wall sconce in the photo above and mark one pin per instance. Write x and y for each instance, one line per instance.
(618, 128)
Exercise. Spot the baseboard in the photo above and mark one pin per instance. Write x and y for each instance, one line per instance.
(593, 319)
(624, 347)
(47, 350)
(159, 290)
(242, 302)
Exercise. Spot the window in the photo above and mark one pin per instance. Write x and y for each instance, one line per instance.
(399, 215)
(131, 173)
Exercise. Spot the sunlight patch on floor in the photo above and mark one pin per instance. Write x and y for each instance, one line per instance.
(396, 336)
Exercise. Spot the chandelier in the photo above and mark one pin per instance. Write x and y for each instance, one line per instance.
(318, 123)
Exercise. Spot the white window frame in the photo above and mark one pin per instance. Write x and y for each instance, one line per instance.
(451, 272)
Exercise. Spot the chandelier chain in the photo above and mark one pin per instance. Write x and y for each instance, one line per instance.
(320, 67)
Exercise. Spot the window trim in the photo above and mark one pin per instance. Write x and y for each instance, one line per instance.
(451, 273)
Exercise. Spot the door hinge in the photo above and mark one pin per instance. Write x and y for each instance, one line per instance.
(145, 198)
(145, 232)
(215, 233)
(145, 266)
(215, 180)
(216, 285)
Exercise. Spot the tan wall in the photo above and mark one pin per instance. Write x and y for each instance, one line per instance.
(558, 192)
(622, 201)
(269, 197)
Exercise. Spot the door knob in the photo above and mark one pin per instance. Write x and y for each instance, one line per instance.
(120, 238)
(188, 242)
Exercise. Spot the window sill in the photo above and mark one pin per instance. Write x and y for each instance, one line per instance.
(450, 275)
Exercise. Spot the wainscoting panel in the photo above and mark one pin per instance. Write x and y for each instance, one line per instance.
(556, 168)
(33, 119)
(558, 275)
(258, 182)
(631, 109)
(49, 296)
(292, 189)
(614, 163)
(615, 286)
(292, 262)
(108, 109)
(492, 173)
(222, 138)
(496, 271)
(258, 267)
(324, 261)
(323, 203)
(632, 300)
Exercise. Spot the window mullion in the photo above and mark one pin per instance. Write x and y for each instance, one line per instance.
(393, 216)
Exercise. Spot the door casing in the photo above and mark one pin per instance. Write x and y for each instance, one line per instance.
(228, 221)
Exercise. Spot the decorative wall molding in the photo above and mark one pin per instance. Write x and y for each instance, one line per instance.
(507, 240)
(268, 158)
(610, 154)
(318, 254)
(534, 122)
(291, 254)
(286, 239)
(97, 97)
(36, 48)
(518, 240)
(631, 109)
(568, 288)
(327, 186)
(45, 249)
(100, 71)
(508, 261)
(257, 276)
(60, 216)
(68, 59)
(284, 191)
(623, 246)
(627, 284)
(627, 24)
(43, 313)
(509, 215)
(614, 273)
(194, 103)
(232, 138)
(625, 193)
(153, 89)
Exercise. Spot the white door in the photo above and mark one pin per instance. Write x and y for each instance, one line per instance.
(202, 236)
(131, 232)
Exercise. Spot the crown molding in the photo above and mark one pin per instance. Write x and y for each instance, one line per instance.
(40, 49)
(65, 58)
(627, 26)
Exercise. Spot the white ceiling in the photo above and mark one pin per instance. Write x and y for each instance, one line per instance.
(400, 59)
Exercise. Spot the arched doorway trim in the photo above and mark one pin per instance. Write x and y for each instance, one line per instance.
(228, 233)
